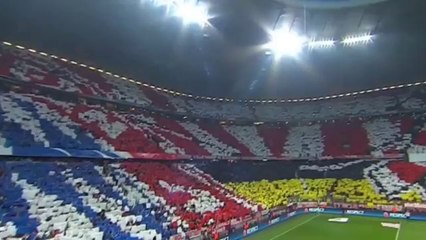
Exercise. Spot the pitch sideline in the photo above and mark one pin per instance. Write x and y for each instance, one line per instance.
(298, 225)
(399, 229)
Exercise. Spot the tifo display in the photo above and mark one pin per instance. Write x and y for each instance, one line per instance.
(81, 148)
(130, 200)
(50, 107)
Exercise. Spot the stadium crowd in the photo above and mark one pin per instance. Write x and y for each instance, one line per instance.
(38, 121)
(46, 71)
(131, 200)
(51, 106)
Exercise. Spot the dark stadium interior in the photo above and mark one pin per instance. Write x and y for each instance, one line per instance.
(135, 39)
(212, 120)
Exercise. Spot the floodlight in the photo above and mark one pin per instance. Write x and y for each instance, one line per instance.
(360, 39)
(286, 43)
(321, 44)
(192, 12)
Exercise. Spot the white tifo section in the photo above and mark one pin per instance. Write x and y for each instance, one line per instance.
(179, 103)
(26, 68)
(417, 157)
(201, 202)
(112, 129)
(249, 136)
(15, 114)
(53, 214)
(213, 145)
(218, 110)
(334, 108)
(4, 150)
(124, 90)
(113, 208)
(208, 180)
(135, 191)
(304, 141)
(382, 135)
(387, 182)
(332, 167)
(8, 231)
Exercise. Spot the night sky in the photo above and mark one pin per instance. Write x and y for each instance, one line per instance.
(137, 39)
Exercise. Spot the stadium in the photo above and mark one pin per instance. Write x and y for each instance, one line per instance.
(213, 119)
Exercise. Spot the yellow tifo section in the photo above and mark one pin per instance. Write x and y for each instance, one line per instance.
(276, 193)
(412, 196)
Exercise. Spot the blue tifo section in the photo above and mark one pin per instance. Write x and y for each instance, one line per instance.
(240, 234)
(57, 152)
(14, 208)
(57, 139)
(56, 185)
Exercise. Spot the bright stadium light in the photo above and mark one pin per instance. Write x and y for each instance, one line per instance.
(321, 44)
(192, 12)
(286, 43)
(360, 39)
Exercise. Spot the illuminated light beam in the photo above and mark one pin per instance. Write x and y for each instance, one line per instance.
(321, 44)
(355, 40)
(285, 43)
(192, 12)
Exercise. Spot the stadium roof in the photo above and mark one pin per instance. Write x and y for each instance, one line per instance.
(138, 39)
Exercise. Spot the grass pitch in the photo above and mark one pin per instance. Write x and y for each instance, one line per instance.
(317, 227)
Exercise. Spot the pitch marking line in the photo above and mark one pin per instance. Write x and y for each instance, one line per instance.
(291, 229)
(397, 233)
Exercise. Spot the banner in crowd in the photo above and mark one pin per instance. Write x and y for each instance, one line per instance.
(96, 154)
(416, 206)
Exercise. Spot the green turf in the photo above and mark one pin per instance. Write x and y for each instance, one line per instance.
(317, 227)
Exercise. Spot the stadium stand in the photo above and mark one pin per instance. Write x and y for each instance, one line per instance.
(56, 74)
(49, 108)
(361, 181)
(152, 200)
(112, 201)
(34, 121)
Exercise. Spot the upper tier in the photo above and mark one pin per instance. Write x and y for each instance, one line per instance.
(62, 74)
(32, 121)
